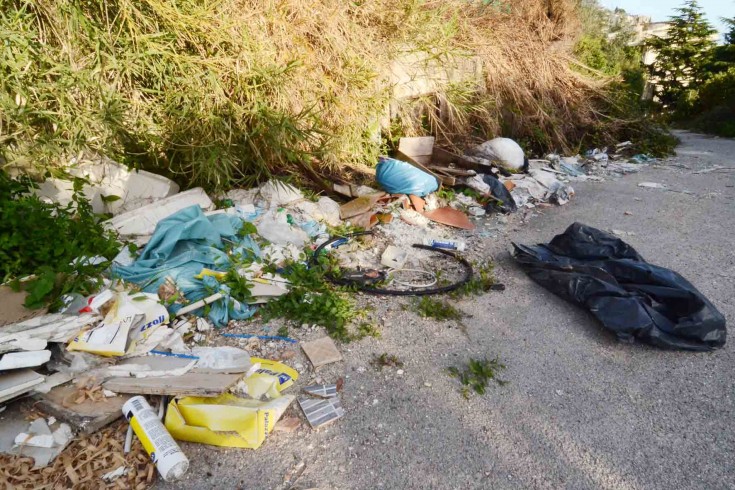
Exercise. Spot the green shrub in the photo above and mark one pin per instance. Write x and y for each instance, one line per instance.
(48, 241)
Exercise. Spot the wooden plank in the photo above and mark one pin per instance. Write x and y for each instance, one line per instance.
(88, 416)
(444, 157)
(421, 146)
(457, 172)
(12, 309)
(189, 384)
(441, 178)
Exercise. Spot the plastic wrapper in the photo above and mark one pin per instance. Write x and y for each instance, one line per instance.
(630, 297)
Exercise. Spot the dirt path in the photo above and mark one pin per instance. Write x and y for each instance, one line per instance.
(581, 410)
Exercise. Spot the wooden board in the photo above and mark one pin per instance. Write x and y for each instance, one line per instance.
(417, 147)
(12, 309)
(189, 384)
(444, 157)
(441, 178)
(88, 416)
(456, 172)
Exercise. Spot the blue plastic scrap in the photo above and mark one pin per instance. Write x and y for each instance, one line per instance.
(398, 177)
(181, 246)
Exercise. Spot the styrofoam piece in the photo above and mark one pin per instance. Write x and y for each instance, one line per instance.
(143, 221)
(17, 360)
(135, 188)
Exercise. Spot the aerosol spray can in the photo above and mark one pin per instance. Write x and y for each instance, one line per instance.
(168, 457)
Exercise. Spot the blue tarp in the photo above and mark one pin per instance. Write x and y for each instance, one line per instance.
(181, 246)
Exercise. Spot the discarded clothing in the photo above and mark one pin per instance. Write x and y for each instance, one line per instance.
(398, 177)
(631, 297)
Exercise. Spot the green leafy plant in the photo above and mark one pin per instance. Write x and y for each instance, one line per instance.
(51, 242)
(313, 300)
(483, 280)
(282, 331)
(428, 307)
(477, 374)
(446, 194)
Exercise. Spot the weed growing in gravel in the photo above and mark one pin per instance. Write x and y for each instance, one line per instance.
(483, 280)
(477, 375)
(283, 331)
(428, 307)
(386, 360)
(313, 300)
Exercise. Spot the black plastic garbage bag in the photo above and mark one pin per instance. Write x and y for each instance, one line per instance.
(631, 297)
(504, 202)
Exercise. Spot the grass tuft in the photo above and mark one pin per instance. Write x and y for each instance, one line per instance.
(476, 376)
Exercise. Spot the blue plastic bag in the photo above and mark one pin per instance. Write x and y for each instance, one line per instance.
(399, 177)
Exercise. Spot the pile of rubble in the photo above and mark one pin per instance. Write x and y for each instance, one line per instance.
(158, 327)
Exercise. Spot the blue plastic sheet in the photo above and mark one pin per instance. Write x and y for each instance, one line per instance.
(399, 177)
(181, 246)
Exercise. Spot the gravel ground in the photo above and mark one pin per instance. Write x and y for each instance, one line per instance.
(581, 410)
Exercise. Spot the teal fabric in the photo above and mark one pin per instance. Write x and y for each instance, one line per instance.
(181, 246)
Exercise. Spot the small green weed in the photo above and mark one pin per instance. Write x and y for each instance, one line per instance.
(368, 329)
(477, 375)
(343, 229)
(483, 280)
(313, 300)
(386, 360)
(446, 194)
(283, 331)
(428, 307)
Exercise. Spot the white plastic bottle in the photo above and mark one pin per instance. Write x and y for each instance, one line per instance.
(168, 457)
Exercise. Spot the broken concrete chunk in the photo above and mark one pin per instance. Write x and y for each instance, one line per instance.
(143, 221)
(17, 360)
(18, 382)
(88, 416)
(277, 193)
(134, 188)
(321, 351)
(54, 327)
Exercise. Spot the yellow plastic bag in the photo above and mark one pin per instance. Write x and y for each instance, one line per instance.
(226, 420)
(270, 379)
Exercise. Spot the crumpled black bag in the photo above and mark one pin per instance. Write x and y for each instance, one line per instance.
(504, 203)
(631, 297)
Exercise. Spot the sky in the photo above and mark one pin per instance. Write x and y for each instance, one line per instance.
(661, 10)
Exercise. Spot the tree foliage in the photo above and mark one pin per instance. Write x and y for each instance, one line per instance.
(683, 55)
